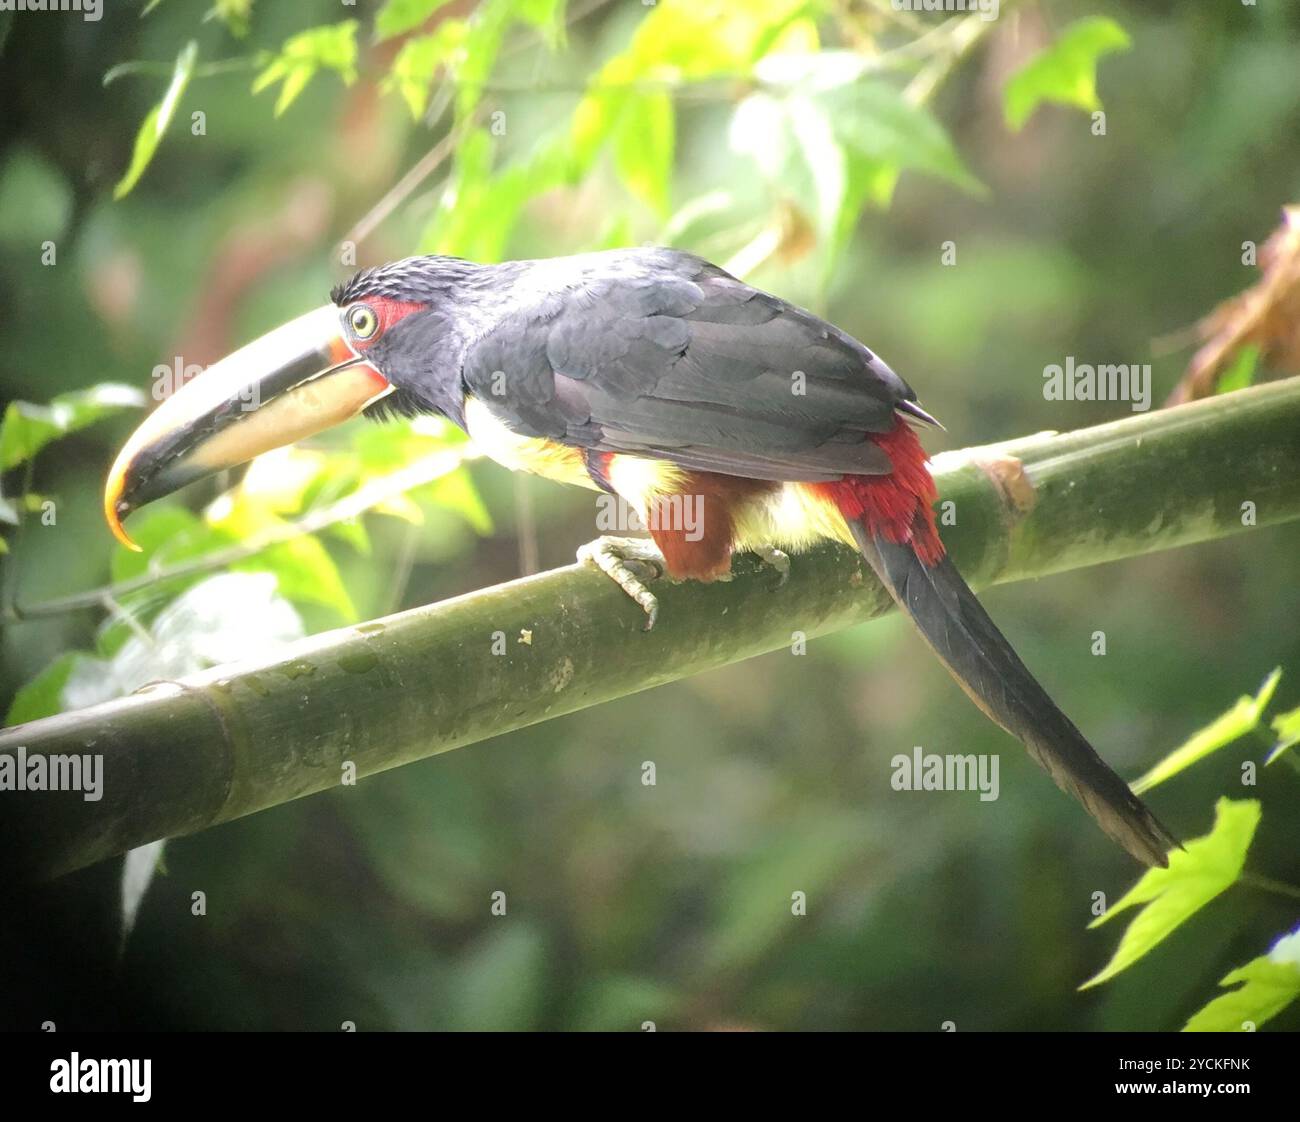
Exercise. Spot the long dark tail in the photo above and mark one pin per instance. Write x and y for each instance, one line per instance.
(978, 656)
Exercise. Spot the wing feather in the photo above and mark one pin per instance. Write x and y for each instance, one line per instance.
(657, 353)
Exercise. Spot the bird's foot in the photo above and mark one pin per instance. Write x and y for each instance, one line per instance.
(776, 559)
(631, 563)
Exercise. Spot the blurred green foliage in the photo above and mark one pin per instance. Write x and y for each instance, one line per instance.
(1065, 71)
(854, 159)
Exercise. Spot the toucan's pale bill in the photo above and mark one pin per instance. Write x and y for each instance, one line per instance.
(297, 380)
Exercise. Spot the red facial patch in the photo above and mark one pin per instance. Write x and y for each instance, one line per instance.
(388, 311)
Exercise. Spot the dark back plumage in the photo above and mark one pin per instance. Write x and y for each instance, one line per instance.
(651, 352)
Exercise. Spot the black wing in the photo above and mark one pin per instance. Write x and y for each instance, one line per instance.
(658, 353)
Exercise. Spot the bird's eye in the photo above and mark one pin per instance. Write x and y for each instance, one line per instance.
(362, 321)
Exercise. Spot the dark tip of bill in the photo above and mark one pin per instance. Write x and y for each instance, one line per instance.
(911, 407)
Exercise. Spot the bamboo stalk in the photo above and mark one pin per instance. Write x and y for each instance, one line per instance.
(178, 757)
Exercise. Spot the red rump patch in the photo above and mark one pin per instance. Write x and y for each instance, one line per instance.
(898, 507)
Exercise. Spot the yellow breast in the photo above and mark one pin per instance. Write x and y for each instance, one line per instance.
(523, 453)
(791, 517)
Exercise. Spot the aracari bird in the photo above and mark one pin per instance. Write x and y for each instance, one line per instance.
(654, 375)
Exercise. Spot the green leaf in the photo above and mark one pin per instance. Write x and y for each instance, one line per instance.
(713, 209)
(35, 198)
(305, 572)
(679, 41)
(874, 120)
(1196, 875)
(352, 531)
(499, 980)
(487, 28)
(643, 148)
(220, 619)
(691, 39)
(1287, 727)
(235, 14)
(27, 428)
(623, 1003)
(322, 48)
(469, 46)
(752, 919)
(419, 60)
(813, 132)
(1242, 718)
(841, 147)
(456, 492)
(1271, 983)
(592, 125)
(1065, 71)
(387, 447)
(793, 142)
(157, 120)
(869, 182)
(398, 16)
(545, 15)
(455, 226)
(43, 695)
(481, 206)
(1242, 371)
(166, 535)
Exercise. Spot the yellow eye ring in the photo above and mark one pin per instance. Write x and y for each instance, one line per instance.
(362, 321)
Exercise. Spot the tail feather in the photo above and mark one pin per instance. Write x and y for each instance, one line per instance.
(959, 630)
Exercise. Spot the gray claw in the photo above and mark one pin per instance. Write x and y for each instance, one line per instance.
(631, 563)
(776, 559)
